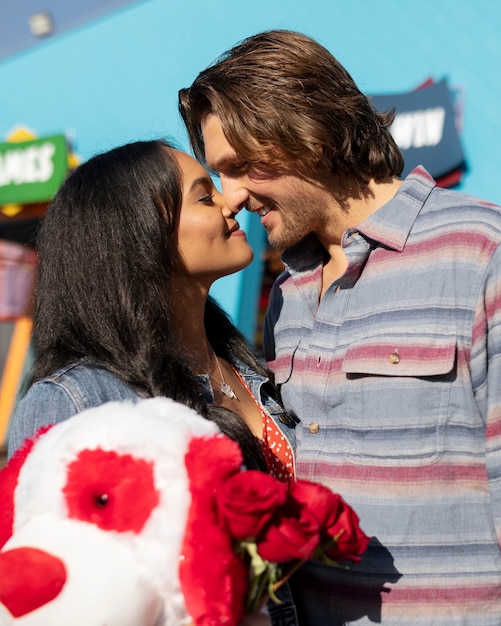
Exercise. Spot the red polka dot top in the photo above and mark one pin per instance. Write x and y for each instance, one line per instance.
(276, 448)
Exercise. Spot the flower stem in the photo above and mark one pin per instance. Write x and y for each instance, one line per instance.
(256, 596)
(293, 568)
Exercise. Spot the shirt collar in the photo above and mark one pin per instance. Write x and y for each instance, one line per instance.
(391, 224)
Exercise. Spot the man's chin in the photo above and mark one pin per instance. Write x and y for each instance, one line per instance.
(275, 243)
(278, 242)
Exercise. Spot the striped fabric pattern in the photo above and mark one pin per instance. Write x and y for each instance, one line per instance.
(396, 378)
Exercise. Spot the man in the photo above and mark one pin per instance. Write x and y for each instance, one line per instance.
(384, 331)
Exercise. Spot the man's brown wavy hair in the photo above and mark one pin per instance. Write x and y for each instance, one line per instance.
(284, 100)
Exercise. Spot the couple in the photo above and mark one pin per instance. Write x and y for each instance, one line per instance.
(383, 334)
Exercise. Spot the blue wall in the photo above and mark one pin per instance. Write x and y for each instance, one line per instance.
(116, 79)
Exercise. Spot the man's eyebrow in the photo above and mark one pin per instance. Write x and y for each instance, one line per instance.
(223, 161)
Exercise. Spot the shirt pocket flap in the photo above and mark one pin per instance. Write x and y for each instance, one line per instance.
(401, 357)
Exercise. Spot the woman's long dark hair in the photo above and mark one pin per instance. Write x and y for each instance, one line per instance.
(107, 254)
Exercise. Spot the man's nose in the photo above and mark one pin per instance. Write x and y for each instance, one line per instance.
(235, 193)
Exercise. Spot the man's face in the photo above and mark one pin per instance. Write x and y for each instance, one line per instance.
(290, 207)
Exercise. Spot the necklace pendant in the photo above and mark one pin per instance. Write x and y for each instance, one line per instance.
(228, 391)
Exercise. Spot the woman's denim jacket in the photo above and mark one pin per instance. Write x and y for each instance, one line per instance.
(83, 385)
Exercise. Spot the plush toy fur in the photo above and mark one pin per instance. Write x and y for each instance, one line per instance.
(94, 515)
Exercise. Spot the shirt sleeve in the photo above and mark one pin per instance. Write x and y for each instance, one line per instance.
(44, 403)
(486, 372)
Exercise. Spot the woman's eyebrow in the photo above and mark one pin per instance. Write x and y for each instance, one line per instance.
(202, 180)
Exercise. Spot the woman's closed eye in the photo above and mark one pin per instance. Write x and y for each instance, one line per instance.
(207, 199)
(202, 191)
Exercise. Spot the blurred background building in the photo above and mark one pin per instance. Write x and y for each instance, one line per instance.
(77, 78)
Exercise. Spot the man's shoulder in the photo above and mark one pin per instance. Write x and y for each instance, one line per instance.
(455, 211)
(454, 198)
(419, 184)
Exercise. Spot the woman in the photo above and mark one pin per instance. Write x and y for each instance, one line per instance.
(128, 250)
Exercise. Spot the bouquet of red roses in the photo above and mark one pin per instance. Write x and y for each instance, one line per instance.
(248, 531)
(278, 523)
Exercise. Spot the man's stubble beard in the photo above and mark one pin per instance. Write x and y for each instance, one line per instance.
(296, 224)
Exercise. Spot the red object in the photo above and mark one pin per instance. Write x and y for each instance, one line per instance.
(450, 179)
(230, 511)
(248, 501)
(214, 579)
(276, 449)
(293, 534)
(8, 482)
(29, 579)
(113, 491)
(336, 519)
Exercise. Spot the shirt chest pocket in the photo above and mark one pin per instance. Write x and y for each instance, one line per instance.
(397, 399)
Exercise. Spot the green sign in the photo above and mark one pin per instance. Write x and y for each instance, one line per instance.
(32, 171)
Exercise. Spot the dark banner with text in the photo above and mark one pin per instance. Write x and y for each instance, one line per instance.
(426, 130)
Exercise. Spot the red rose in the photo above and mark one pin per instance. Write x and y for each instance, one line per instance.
(247, 501)
(321, 501)
(336, 519)
(350, 541)
(294, 533)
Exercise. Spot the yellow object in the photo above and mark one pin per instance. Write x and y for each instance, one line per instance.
(14, 364)
(11, 210)
(21, 134)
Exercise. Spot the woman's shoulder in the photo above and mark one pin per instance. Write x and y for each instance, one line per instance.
(85, 382)
(61, 395)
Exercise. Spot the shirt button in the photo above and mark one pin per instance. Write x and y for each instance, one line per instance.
(313, 428)
(394, 358)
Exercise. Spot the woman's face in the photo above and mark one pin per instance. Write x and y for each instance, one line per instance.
(211, 243)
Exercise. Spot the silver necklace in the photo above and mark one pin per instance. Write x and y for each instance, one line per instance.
(225, 388)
